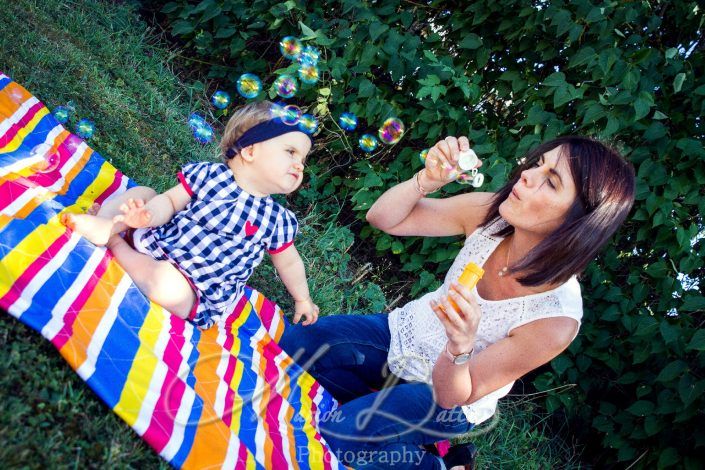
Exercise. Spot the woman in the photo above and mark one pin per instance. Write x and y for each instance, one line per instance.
(450, 365)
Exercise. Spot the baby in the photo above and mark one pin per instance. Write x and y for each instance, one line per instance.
(193, 248)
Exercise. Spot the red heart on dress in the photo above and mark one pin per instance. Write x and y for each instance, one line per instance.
(250, 229)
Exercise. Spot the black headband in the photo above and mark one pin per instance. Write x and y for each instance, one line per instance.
(263, 131)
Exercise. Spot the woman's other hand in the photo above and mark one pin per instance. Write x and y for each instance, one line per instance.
(460, 315)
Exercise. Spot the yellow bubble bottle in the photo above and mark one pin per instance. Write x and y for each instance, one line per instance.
(469, 278)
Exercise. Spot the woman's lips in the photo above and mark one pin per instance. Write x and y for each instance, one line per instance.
(516, 195)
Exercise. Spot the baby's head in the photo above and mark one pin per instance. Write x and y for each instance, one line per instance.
(268, 152)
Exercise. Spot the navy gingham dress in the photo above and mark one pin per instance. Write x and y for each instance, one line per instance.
(219, 238)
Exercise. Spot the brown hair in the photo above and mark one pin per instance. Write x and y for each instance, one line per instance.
(243, 119)
(604, 181)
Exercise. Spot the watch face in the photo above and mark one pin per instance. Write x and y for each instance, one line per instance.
(461, 359)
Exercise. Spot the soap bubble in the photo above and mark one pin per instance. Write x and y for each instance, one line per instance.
(85, 128)
(368, 143)
(348, 121)
(472, 178)
(422, 156)
(61, 114)
(220, 99)
(48, 159)
(291, 114)
(290, 47)
(308, 74)
(308, 124)
(249, 85)
(286, 86)
(195, 121)
(204, 134)
(309, 56)
(391, 131)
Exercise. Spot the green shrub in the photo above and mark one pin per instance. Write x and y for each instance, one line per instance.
(510, 75)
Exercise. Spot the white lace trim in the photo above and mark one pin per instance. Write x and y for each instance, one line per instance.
(418, 336)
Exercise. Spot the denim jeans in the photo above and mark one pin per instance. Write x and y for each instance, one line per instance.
(382, 419)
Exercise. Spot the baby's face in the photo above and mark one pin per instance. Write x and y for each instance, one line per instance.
(281, 161)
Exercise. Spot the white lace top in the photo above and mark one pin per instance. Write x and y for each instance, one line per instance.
(418, 337)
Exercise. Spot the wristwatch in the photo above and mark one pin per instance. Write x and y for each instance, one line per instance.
(461, 358)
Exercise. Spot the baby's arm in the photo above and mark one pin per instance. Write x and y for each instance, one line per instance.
(292, 272)
(157, 211)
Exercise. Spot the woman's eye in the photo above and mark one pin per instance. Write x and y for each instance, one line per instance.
(551, 184)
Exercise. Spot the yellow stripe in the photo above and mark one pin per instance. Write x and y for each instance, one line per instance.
(25, 253)
(15, 143)
(143, 367)
(305, 382)
(238, 402)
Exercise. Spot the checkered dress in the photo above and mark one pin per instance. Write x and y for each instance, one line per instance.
(219, 238)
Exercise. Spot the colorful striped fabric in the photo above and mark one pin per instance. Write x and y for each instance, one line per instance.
(225, 397)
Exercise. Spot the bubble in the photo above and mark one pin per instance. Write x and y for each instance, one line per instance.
(286, 86)
(48, 160)
(220, 99)
(308, 124)
(391, 131)
(472, 178)
(61, 114)
(368, 143)
(249, 85)
(309, 56)
(422, 156)
(308, 74)
(291, 115)
(348, 121)
(204, 134)
(195, 121)
(290, 47)
(85, 128)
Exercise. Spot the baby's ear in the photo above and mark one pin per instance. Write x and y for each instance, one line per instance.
(248, 154)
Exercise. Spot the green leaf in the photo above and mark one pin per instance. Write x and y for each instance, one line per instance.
(671, 53)
(668, 457)
(697, 342)
(678, 82)
(367, 88)
(693, 303)
(672, 371)
(556, 79)
(641, 408)
(471, 41)
(377, 29)
(641, 107)
(307, 32)
(659, 115)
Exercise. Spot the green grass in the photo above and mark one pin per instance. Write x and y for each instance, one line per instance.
(101, 57)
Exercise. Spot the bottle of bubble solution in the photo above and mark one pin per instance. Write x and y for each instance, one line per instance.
(469, 278)
(467, 161)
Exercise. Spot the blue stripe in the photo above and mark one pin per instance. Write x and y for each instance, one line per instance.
(4, 81)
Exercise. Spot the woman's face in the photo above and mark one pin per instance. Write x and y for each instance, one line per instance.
(542, 196)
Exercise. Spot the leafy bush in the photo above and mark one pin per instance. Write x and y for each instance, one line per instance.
(510, 75)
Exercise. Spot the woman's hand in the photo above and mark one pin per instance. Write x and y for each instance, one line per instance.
(460, 323)
(442, 162)
(307, 309)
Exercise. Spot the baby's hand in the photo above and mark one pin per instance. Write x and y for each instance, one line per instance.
(134, 214)
(308, 309)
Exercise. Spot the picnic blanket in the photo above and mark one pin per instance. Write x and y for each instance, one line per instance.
(226, 397)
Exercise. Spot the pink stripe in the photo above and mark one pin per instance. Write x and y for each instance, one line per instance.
(112, 188)
(229, 399)
(11, 190)
(72, 312)
(242, 456)
(184, 183)
(281, 248)
(26, 277)
(24, 120)
(266, 313)
(271, 375)
(172, 391)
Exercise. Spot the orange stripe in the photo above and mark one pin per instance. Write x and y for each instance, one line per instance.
(9, 104)
(210, 444)
(87, 320)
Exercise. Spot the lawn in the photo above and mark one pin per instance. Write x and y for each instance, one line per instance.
(102, 58)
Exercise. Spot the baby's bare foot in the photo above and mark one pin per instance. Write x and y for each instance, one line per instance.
(96, 230)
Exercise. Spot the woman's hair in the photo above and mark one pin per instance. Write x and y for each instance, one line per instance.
(243, 119)
(604, 181)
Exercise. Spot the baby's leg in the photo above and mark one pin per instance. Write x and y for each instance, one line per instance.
(161, 281)
(97, 226)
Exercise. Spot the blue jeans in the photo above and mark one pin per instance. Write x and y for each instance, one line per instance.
(383, 419)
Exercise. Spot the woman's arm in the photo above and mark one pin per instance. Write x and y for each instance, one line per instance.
(402, 210)
(524, 349)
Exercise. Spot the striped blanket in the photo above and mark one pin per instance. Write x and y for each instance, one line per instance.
(225, 397)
